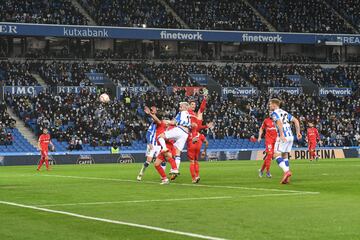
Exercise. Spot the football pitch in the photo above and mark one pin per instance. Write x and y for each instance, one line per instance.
(231, 202)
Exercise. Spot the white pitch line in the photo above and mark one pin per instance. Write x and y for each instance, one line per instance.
(181, 199)
(194, 235)
(181, 184)
(136, 201)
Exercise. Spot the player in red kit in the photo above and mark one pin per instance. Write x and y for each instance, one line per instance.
(43, 145)
(270, 139)
(161, 127)
(194, 147)
(312, 137)
(197, 118)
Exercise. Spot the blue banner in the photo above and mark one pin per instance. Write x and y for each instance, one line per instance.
(339, 92)
(96, 78)
(289, 90)
(76, 31)
(294, 78)
(239, 91)
(75, 89)
(24, 90)
(133, 90)
(201, 79)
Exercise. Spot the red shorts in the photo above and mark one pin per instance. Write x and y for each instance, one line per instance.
(172, 150)
(312, 145)
(193, 154)
(269, 146)
(44, 153)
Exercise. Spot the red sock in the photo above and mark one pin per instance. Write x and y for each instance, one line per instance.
(268, 162)
(192, 170)
(263, 166)
(47, 163)
(197, 168)
(172, 163)
(161, 171)
(40, 163)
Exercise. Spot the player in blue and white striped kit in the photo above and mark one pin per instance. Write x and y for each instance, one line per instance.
(285, 137)
(179, 133)
(152, 149)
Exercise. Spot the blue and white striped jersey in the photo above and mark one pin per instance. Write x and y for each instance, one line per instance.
(151, 134)
(183, 119)
(285, 118)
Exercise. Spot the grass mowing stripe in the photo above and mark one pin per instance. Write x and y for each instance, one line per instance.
(194, 235)
(136, 201)
(180, 184)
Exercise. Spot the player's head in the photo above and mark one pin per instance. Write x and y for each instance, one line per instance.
(192, 103)
(310, 124)
(45, 131)
(153, 109)
(274, 103)
(184, 106)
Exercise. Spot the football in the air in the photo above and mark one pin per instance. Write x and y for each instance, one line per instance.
(104, 98)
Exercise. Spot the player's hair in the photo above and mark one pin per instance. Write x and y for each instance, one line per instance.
(184, 103)
(275, 101)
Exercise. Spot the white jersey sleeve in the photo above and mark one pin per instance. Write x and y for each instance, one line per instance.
(183, 119)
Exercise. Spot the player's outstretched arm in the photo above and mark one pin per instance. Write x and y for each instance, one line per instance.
(153, 116)
(203, 154)
(297, 127)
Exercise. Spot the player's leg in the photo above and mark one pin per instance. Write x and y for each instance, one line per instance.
(41, 162)
(47, 162)
(144, 167)
(311, 154)
(197, 171)
(268, 159)
(161, 140)
(179, 146)
(192, 170)
(160, 170)
(172, 162)
(282, 149)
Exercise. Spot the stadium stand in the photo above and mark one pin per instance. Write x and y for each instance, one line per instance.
(17, 73)
(349, 9)
(301, 16)
(224, 15)
(39, 11)
(130, 13)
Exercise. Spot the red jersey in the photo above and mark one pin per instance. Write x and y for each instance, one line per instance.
(44, 141)
(160, 128)
(313, 134)
(195, 146)
(269, 126)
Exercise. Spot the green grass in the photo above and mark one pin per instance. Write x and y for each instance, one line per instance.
(322, 202)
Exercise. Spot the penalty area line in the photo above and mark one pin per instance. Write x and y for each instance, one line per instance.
(180, 184)
(194, 235)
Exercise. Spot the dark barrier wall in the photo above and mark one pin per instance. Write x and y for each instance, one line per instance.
(139, 157)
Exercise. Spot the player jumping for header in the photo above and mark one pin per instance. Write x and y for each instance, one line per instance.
(285, 137)
(179, 133)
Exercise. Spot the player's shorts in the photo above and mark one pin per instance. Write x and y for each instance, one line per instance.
(44, 153)
(311, 145)
(154, 152)
(284, 147)
(270, 146)
(179, 136)
(171, 149)
(193, 154)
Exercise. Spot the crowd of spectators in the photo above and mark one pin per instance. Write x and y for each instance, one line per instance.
(302, 16)
(130, 13)
(41, 11)
(79, 119)
(17, 73)
(6, 122)
(223, 15)
(349, 9)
